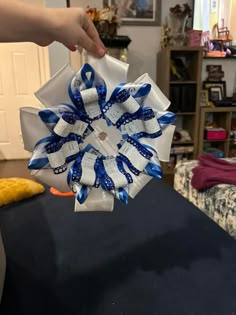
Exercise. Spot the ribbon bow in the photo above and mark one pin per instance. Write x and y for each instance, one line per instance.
(98, 136)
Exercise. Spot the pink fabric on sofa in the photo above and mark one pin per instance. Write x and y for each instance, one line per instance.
(213, 171)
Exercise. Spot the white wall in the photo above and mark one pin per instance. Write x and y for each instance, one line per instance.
(58, 54)
(142, 50)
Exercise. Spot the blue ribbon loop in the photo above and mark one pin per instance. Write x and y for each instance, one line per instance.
(153, 170)
(87, 79)
(167, 119)
(123, 195)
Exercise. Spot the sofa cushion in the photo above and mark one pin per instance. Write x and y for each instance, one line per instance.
(15, 189)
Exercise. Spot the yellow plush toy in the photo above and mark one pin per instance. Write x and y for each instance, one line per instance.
(15, 189)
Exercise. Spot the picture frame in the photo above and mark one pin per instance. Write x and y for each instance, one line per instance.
(206, 85)
(204, 100)
(215, 72)
(214, 4)
(215, 94)
(132, 14)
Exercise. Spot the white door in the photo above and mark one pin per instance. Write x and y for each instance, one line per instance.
(24, 68)
(22, 72)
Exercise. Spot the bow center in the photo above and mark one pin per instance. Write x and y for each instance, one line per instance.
(102, 135)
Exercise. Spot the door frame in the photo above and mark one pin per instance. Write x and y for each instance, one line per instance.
(44, 64)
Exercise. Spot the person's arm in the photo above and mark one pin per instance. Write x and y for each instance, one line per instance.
(20, 22)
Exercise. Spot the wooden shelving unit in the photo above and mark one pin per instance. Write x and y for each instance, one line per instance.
(223, 117)
(183, 92)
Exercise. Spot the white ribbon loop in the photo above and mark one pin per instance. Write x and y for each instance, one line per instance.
(57, 160)
(88, 177)
(130, 105)
(137, 156)
(120, 103)
(58, 153)
(151, 126)
(64, 128)
(112, 170)
(90, 99)
(89, 96)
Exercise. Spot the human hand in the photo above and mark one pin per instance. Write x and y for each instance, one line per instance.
(72, 27)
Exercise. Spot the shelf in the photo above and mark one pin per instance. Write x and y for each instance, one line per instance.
(178, 153)
(226, 140)
(184, 95)
(185, 113)
(222, 109)
(224, 58)
(169, 172)
(183, 82)
(222, 117)
(185, 49)
(182, 143)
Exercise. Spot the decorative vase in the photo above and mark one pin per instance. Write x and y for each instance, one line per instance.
(177, 24)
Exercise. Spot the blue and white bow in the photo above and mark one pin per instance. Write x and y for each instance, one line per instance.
(99, 136)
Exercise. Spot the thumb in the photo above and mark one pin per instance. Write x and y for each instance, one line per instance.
(93, 47)
(71, 47)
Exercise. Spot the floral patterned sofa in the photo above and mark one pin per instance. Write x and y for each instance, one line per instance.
(218, 202)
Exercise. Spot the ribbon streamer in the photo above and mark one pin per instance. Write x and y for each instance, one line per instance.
(104, 138)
